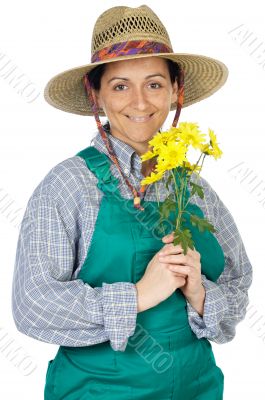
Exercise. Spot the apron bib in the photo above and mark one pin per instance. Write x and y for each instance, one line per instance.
(164, 359)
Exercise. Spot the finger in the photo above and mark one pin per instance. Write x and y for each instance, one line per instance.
(184, 269)
(174, 258)
(176, 249)
(171, 249)
(172, 246)
(178, 274)
(168, 238)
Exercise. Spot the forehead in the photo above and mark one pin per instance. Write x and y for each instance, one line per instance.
(139, 65)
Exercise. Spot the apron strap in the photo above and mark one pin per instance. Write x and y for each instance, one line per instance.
(99, 163)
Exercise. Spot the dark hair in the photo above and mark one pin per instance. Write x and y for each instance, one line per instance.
(95, 76)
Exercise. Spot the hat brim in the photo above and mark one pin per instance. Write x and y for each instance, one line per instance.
(203, 76)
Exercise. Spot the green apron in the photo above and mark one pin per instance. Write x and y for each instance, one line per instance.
(163, 359)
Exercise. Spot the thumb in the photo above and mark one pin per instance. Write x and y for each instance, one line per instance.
(168, 238)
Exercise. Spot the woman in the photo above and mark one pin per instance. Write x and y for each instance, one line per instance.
(132, 314)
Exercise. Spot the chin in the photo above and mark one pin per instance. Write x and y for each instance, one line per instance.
(141, 139)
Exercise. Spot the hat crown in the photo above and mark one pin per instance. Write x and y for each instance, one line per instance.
(121, 24)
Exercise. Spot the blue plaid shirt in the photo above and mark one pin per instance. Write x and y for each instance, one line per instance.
(50, 304)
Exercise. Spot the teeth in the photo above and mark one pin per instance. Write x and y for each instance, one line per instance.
(140, 119)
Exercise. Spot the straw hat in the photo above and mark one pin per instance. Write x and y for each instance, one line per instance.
(122, 33)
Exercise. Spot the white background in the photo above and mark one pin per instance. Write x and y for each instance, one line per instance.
(44, 38)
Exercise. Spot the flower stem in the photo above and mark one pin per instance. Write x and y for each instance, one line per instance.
(197, 174)
(179, 198)
(157, 197)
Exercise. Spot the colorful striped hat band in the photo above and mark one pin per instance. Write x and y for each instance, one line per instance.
(130, 47)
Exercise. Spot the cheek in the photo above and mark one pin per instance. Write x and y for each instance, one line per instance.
(113, 112)
(113, 104)
(164, 105)
(164, 99)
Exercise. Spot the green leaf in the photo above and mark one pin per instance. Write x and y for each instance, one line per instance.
(169, 179)
(184, 238)
(201, 223)
(197, 189)
(169, 204)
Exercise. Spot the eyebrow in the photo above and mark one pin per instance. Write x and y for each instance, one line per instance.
(127, 79)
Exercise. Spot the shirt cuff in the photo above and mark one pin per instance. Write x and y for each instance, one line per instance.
(215, 308)
(119, 312)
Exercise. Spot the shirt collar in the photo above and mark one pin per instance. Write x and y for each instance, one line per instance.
(129, 160)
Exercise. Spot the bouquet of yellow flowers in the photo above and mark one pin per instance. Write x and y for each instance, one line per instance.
(170, 148)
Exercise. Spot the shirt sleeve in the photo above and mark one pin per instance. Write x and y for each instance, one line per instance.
(226, 299)
(47, 304)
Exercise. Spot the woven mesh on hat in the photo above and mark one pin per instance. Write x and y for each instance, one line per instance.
(120, 24)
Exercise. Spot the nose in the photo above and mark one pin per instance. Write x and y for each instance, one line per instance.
(139, 99)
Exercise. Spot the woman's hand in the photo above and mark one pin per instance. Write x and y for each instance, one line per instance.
(164, 275)
(157, 284)
(189, 265)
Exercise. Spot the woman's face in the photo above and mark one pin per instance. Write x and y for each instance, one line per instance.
(136, 96)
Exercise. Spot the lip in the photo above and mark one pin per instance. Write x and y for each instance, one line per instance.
(140, 119)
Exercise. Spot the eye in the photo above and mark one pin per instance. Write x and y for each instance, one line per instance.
(119, 87)
(158, 85)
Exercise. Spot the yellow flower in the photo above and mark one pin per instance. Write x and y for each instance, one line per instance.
(212, 148)
(205, 148)
(216, 152)
(171, 156)
(170, 148)
(152, 178)
(146, 156)
(190, 134)
(174, 132)
(190, 168)
(161, 138)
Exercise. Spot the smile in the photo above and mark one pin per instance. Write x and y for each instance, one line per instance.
(140, 119)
